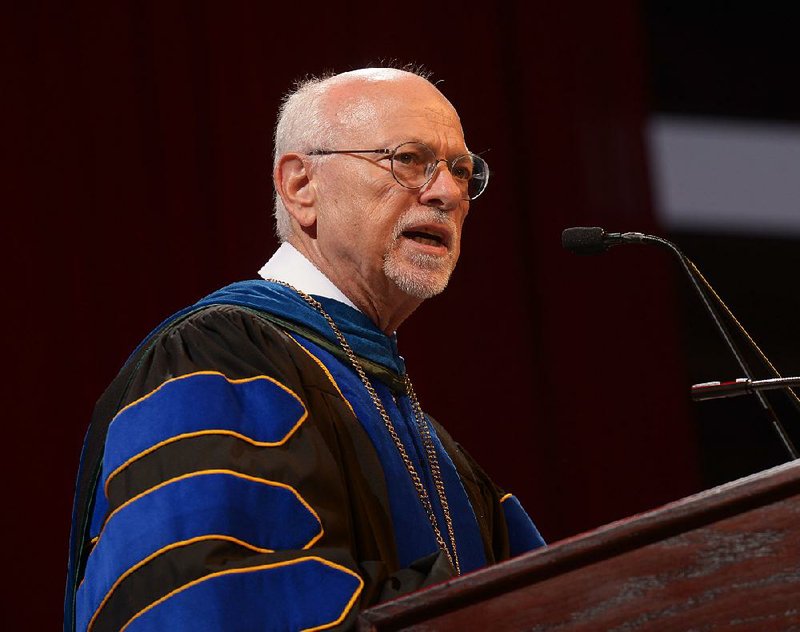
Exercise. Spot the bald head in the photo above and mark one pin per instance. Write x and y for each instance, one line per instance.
(329, 112)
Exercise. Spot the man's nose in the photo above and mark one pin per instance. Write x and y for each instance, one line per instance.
(443, 190)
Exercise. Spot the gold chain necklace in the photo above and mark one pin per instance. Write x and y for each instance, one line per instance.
(422, 427)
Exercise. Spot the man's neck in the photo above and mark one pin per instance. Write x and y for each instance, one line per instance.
(387, 306)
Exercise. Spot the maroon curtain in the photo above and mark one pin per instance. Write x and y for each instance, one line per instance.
(137, 138)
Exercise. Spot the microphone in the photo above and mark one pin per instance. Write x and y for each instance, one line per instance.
(594, 240)
(584, 240)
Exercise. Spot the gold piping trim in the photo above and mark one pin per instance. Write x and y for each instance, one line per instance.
(262, 444)
(349, 605)
(506, 497)
(302, 500)
(232, 571)
(325, 369)
(161, 551)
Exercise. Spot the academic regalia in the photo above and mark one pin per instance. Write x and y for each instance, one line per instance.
(237, 476)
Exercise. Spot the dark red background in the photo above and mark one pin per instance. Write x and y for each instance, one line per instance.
(137, 138)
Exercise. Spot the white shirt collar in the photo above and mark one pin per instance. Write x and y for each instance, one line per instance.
(290, 266)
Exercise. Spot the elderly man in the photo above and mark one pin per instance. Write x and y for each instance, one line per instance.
(262, 461)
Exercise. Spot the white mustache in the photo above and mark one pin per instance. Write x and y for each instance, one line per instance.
(433, 216)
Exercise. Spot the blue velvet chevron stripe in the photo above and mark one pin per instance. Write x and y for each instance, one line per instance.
(303, 594)
(256, 409)
(263, 515)
(523, 536)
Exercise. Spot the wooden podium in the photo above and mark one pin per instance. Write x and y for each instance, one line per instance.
(725, 559)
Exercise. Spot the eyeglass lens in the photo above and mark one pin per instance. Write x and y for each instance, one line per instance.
(413, 165)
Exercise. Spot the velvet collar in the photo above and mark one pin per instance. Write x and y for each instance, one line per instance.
(366, 340)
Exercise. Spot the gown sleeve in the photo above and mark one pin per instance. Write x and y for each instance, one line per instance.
(224, 498)
(507, 528)
(523, 536)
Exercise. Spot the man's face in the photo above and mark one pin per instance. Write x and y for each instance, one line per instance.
(383, 236)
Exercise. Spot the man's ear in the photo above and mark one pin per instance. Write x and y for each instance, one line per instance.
(293, 183)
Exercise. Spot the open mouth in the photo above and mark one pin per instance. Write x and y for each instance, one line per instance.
(423, 237)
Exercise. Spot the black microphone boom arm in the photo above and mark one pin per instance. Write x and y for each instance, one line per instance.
(594, 240)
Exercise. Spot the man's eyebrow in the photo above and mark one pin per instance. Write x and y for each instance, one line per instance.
(417, 139)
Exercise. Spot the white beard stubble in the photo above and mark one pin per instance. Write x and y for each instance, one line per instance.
(418, 274)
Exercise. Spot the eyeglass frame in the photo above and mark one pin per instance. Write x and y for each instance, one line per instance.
(391, 153)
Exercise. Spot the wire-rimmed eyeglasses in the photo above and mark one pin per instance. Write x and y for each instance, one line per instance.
(414, 164)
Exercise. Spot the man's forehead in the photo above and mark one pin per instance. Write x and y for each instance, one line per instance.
(389, 105)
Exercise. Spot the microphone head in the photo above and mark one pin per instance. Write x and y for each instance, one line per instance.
(583, 240)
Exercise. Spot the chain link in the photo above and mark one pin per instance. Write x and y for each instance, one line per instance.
(433, 462)
(422, 426)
